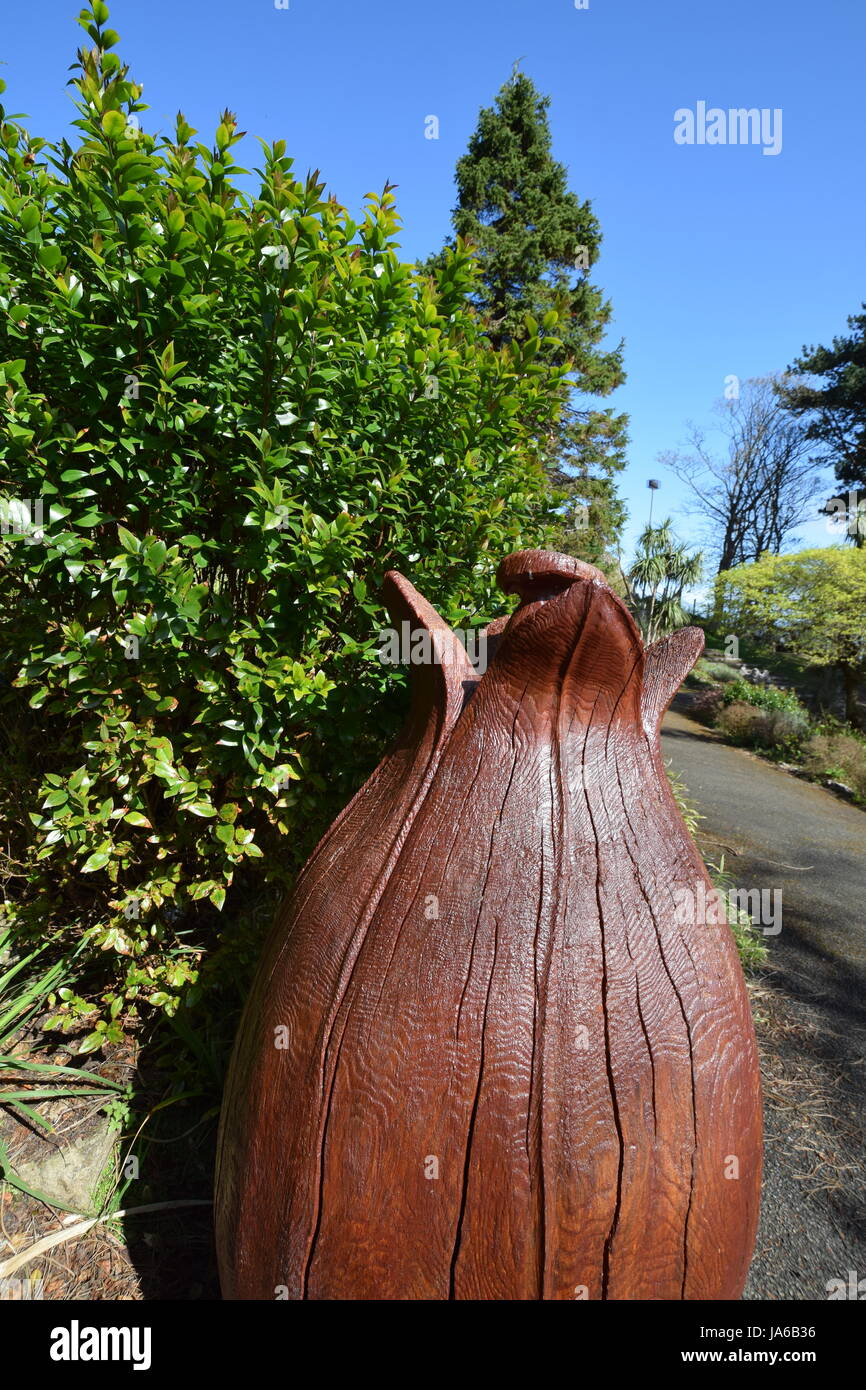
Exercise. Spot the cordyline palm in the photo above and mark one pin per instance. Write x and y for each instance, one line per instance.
(656, 580)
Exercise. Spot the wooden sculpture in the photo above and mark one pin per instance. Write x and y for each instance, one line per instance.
(487, 1055)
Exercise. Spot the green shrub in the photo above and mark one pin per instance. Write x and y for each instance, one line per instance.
(719, 671)
(707, 672)
(783, 728)
(762, 728)
(738, 722)
(762, 697)
(840, 754)
(237, 412)
(762, 716)
(706, 705)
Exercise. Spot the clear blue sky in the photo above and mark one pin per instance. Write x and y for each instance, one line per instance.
(718, 259)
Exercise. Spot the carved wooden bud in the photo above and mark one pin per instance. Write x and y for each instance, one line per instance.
(577, 1058)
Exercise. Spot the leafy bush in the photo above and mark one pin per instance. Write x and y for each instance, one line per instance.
(718, 671)
(236, 412)
(783, 728)
(770, 728)
(840, 754)
(710, 673)
(738, 722)
(706, 705)
(762, 697)
(763, 716)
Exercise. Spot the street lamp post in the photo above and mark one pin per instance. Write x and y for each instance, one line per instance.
(654, 485)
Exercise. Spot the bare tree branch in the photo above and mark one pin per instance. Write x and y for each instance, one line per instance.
(765, 486)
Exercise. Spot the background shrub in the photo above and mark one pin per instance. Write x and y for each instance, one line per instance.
(783, 728)
(762, 728)
(839, 754)
(762, 696)
(718, 671)
(236, 411)
(739, 722)
(706, 705)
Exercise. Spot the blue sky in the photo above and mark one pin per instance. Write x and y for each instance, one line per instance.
(718, 259)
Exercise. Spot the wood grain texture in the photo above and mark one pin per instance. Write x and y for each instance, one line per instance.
(510, 1070)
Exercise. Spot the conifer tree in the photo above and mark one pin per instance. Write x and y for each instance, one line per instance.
(537, 243)
(835, 408)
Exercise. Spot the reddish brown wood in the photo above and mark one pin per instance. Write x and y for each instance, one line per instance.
(579, 1063)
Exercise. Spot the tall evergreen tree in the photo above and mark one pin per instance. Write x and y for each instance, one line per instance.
(537, 243)
(836, 413)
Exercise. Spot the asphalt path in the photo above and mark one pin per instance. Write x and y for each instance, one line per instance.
(785, 836)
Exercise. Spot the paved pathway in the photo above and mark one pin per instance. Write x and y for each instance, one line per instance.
(778, 832)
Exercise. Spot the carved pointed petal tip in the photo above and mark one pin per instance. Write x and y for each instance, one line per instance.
(666, 665)
(535, 574)
(403, 601)
(441, 673)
